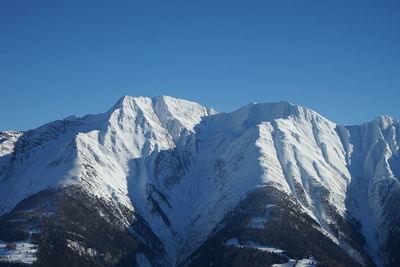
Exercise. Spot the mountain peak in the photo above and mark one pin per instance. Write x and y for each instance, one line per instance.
(255, 113)
(177, 114)
(381, 122)
(123, 100)
(165, 98)
(385, 119)
(129, 101)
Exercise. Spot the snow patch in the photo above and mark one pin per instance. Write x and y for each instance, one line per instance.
(80, 249)
(18, 252)
(264, 248)
(235, 242)
(310, 262)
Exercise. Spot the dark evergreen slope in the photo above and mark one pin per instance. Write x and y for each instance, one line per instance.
(68, 229)
(285, 227)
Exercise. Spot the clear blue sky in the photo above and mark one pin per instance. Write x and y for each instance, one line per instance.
(57, 58)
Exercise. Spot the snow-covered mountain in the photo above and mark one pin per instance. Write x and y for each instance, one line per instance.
(173, 182)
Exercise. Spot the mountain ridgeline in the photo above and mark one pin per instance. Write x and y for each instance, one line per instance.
(167, 182)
